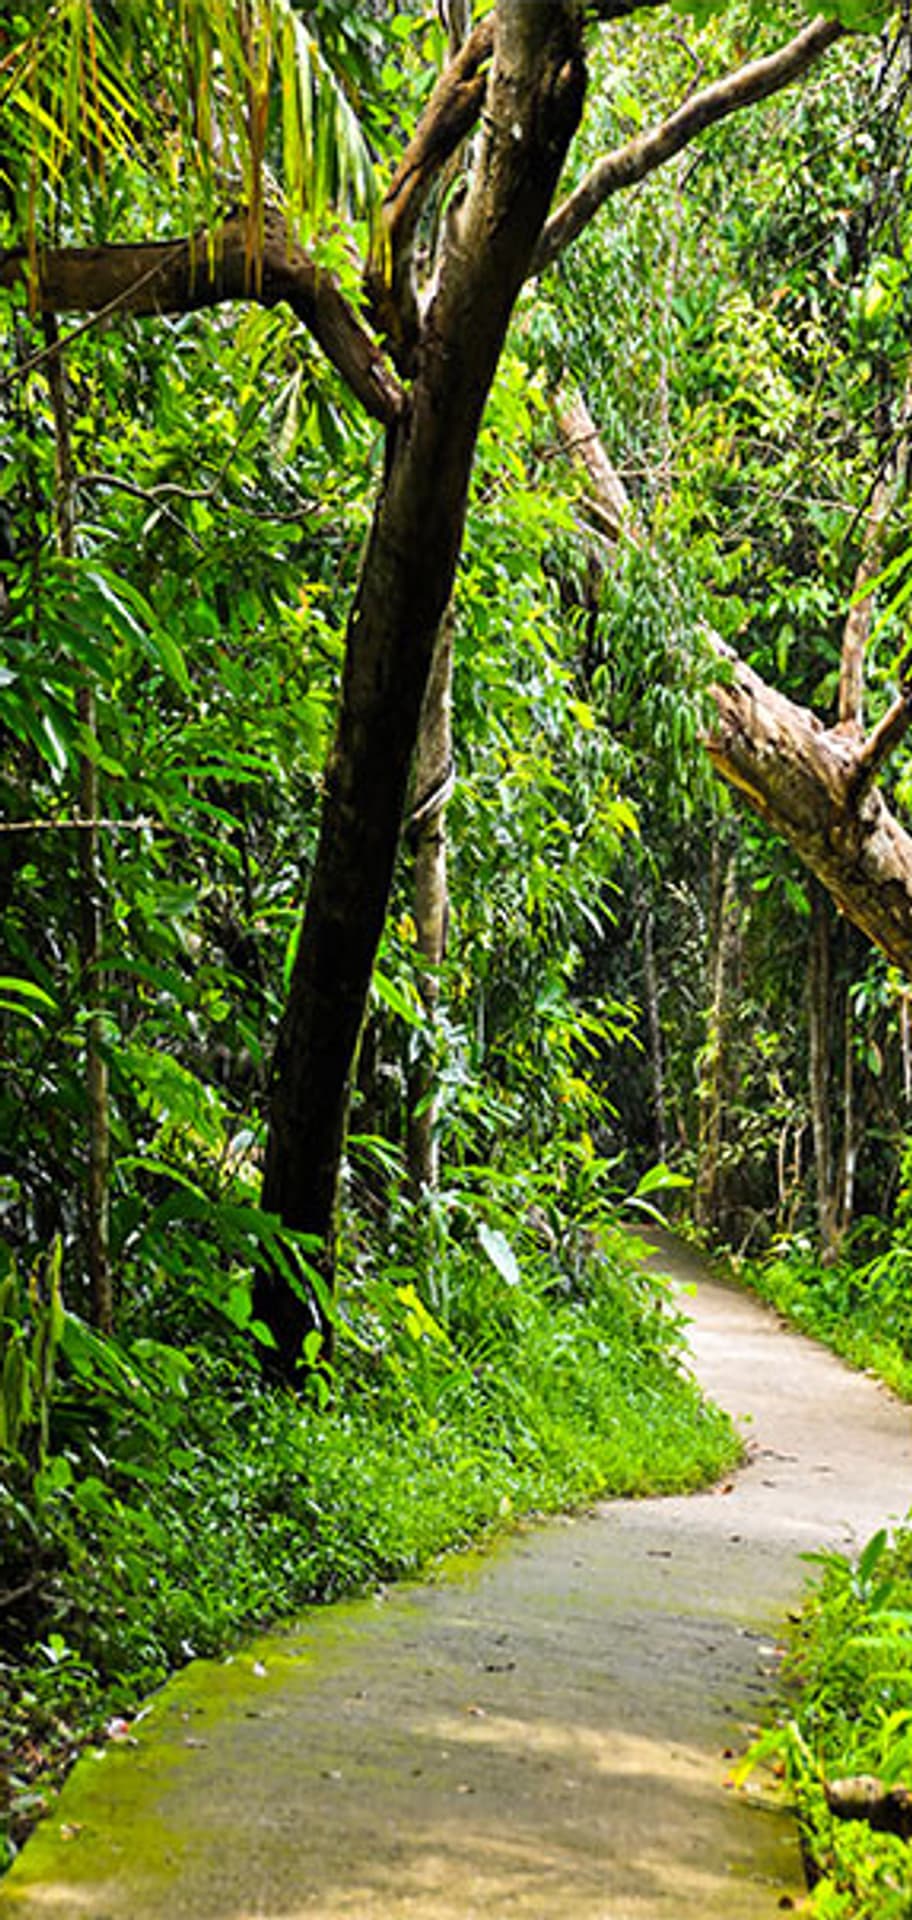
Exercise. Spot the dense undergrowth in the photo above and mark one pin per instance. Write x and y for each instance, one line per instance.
(158, 1501)
(862, 1309)
(849, 1676)
(851, 1717)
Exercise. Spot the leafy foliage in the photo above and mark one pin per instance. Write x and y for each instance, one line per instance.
(851, 1663)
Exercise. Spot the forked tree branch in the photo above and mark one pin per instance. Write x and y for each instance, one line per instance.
(186, 275)
(632, 162)
(450, 114)
(881, 742)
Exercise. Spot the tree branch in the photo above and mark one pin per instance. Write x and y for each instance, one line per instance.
(810, 783)
(864, 1797)
(883, 740)
(450, 114)
(184, 276)
(641, 156)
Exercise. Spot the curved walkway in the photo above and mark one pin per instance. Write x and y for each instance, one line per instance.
(542, 1733)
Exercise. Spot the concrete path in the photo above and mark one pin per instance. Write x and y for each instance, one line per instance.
(541, 1733)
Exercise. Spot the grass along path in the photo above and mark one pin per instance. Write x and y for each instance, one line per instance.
(540, 1732)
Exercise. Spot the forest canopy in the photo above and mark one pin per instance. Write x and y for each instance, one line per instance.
(301, 552)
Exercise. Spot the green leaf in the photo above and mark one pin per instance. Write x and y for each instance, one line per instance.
(659, 1179)
(26, 990)
(403, 1001)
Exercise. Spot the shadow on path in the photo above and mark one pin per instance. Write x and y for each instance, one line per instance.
(541, 1733)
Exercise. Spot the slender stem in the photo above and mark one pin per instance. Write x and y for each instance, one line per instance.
(96, 1202)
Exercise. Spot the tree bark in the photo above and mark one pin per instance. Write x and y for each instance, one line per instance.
(803, 778)
(811, 783)
(533, 105)
(646, 924)
(427, 833)
(182, 276)
(715, 1063)
(820, 1037)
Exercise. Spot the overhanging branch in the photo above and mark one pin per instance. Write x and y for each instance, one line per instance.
(187, 275)
(633, 161)
(812, 784)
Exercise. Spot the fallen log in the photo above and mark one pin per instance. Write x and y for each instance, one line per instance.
(863, 1797)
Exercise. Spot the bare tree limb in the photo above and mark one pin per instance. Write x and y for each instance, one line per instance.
(581, 440)
(641, 156)
(811, 783)
(881, 742)
(184, 276)
(864, 1797)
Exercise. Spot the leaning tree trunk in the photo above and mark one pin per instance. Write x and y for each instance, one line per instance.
(533, 105)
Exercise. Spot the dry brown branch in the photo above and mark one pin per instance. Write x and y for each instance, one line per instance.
(185, 276)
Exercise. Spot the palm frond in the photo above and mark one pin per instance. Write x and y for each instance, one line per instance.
(210, 102)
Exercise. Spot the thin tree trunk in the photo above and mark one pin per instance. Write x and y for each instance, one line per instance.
(91, 923)
(534, 101)
(427, 832)
(905, 1044)
(849, 1129)
(820, 1053)
(653, 1023)
(888, 487)
(714, 1065)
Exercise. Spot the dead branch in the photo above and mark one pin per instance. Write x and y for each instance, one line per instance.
(864, 1797)
(881, 742)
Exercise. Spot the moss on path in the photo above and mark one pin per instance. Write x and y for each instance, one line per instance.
(540, 1733)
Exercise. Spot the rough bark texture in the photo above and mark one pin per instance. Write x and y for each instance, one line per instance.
(810, 782)
(802, 777)
(533, 105)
